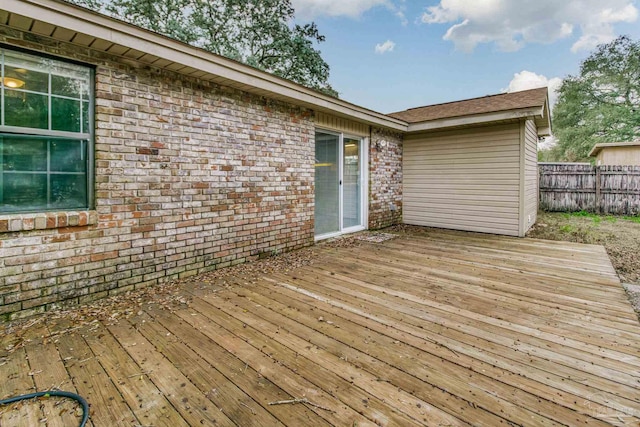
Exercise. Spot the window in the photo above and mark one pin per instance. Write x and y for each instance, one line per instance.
(45, 134)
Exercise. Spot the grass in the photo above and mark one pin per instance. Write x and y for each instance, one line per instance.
(597, 219)
(566, 228)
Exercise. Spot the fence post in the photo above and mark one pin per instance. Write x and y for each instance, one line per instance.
(598, 191)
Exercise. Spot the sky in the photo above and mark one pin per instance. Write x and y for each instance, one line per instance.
(390, 55)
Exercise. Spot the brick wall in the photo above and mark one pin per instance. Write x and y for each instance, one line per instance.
(190, 176)
(385, 179)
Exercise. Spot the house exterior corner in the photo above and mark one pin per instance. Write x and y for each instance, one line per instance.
(385, 178)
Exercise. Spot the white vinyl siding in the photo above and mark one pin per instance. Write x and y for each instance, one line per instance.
(530, 175)
(466, 179)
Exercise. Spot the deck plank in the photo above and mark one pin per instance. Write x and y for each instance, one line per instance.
(419, 410)
(317, 383)
(589, 285)
(106, 404)
(199, 360)
(499, 304)
(564, 292)
(145, 400)
(49, 373)
(567, 351)
(457, 391)
(193, 406)
(451, 345)
(17, 380)
(431, 328)
(504, 255)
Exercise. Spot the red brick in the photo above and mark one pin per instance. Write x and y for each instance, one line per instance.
(51, 221)
(83, 218)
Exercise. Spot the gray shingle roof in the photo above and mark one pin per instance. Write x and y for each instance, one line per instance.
(486, 104)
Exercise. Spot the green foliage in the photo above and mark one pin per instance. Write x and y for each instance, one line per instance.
(602, 103)
(256, 32)
(566, 228)
(610, 218)
(545, 155)
(635, 219)
(597, 219)
(583, 214)
(89, 4)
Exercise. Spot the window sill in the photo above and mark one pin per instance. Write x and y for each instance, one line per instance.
(10, 223)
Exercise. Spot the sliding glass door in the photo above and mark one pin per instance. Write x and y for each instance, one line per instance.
(339, 184)
(327, 210)
(351, 185)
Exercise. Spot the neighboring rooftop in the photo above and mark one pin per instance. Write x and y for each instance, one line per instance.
(486, 104)
(598, 147)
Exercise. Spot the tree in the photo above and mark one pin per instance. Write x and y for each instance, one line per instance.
(256, 32)
(602, 103)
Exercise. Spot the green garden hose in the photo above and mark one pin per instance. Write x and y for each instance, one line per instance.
(51, 393)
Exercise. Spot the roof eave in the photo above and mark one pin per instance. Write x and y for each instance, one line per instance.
(602, 145)
(234, 74)
(595, 150)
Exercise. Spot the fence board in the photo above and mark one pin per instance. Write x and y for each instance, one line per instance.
(566, 187)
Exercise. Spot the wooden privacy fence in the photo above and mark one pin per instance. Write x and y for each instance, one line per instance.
(568, 187)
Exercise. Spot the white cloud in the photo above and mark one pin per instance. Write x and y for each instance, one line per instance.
(525, 80)
(385, 47)
(309, 9)
(512, 24)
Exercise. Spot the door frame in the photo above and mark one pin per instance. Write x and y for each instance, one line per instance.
(364, 183)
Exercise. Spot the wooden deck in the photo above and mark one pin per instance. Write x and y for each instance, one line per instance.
(438, 329)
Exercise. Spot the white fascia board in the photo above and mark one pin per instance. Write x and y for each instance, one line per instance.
(544, 131)
(103, 27)
(543, 121)
(474, 120)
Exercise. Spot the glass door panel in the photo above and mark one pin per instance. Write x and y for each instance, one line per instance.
(327, 184)
(351, 184)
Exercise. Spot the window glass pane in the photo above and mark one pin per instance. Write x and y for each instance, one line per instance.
(24, 192)
(26, 61)
(85, 117)
(23, 154)
(66, 86)
(68, 191)
(68, 155)
(351, 184)
(27, 184)
(65, 114)
(26, 109)
(21, 78)
(327, 179)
